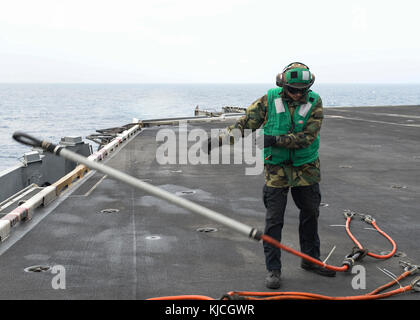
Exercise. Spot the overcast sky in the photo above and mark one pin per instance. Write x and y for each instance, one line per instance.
(208, 41)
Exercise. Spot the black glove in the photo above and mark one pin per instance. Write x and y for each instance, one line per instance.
(270, 140)
(265, 141)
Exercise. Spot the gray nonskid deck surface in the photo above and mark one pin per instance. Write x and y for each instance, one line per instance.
(150, 248)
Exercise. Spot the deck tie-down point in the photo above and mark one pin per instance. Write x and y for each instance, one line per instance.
(39, 268)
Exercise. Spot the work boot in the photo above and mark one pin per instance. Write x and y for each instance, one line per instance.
(309, 266)
(273, 279)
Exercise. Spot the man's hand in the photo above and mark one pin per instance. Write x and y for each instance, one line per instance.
(265, 141)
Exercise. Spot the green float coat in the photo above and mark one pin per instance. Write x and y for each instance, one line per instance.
(280, 123)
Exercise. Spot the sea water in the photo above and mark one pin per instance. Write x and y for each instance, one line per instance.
(52, 111)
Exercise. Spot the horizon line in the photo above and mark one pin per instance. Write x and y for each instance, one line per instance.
(210, 83)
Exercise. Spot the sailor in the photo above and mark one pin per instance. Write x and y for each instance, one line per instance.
(291, 115)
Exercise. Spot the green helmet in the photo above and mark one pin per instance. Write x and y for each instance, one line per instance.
(296, 75)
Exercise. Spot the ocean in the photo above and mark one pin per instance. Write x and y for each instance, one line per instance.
(51, 111)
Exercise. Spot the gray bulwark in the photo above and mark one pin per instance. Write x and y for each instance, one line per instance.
(39, 168)
(148, 248)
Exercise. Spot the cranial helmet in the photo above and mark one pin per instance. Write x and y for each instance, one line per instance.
(296, 75)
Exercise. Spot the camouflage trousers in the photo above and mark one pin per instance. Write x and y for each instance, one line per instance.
(307, 199)
(279, 176)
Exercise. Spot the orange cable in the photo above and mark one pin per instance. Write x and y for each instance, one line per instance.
(377, 256)
(389, 284)
(312, 296)
(183, 297)
(277, 244)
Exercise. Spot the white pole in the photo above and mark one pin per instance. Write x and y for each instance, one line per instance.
(160, 193)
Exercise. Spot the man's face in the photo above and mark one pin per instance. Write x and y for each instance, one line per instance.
(295, 94)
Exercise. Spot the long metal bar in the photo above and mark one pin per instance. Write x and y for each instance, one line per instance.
(160, 193)
(178, 201)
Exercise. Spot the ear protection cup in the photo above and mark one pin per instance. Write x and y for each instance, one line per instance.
(279, 80)
(312, 79)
